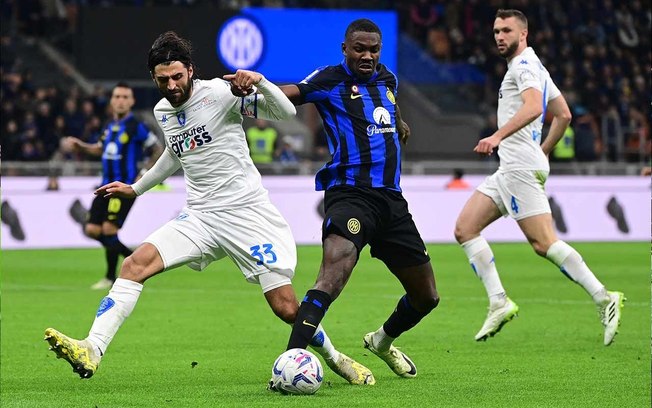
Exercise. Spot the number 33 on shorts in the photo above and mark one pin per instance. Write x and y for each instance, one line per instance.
(265, 254)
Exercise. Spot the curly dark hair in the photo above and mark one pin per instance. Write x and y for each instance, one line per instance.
(169, 47)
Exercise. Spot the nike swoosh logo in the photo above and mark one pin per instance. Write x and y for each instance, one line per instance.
(354, 96)
(309, 324)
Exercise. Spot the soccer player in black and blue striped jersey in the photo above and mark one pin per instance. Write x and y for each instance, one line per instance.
(363, 201)
(122, 146)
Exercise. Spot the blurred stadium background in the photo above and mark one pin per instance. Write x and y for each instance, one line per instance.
(60, 59)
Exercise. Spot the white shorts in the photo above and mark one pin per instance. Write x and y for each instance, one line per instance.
(257, 239)
(519, 193)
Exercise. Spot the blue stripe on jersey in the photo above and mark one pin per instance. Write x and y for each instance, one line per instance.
(122, 150)
(376, 141)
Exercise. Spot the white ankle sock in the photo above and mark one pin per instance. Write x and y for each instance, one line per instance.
(381, 340)
(481, 259)
(321, 343)
(113, 310)
(571, 264)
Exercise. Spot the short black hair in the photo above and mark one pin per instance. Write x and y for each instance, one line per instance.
(122, 84)
(364, 25)
(506, 13)
(169, 47)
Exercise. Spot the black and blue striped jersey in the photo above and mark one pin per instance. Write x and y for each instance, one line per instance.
(123, 143)
(360, 123)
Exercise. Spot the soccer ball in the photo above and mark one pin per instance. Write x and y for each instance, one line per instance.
(297, 371)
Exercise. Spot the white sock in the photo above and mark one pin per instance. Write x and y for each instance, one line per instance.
(381, 340)
(321, 343)
(113, 310)
(481, 259)
(571, 264)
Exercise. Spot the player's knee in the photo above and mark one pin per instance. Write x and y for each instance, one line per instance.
(461, 233)
(92, 231)
(133, 269)
(541, 249)
(428, 303)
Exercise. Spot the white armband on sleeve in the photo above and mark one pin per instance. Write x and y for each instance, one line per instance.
(164, 167)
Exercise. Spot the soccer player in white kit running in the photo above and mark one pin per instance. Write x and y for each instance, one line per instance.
(227, 214)
(517, 187)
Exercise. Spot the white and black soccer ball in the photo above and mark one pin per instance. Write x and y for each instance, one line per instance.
(297, 371)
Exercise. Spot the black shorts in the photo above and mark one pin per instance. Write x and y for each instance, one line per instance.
(111, 209)
(378, 217)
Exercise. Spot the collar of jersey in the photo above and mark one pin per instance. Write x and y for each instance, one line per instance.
(528, 51)
(358, 80)
(123, 119)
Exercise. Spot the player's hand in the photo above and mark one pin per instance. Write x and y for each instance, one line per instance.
(242, 81)
(116, 189)
(487, 145)
(69, 144)
(403, 132)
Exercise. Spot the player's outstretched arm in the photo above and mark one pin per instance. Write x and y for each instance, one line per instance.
(292, 92)
(560, 121)
(116, 189)
(164, 167)
(73, 144)
(530, 110)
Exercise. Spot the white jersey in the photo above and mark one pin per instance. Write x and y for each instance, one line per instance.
(522, 150)
(204, 137)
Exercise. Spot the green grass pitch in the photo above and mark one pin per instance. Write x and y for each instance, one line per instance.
(550, 356)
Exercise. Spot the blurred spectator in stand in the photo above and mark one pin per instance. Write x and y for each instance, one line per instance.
(458, 182)
(285, 152)
(423, 17)
(588, 144)
(11, 143)
(74, 118)
(262, 140)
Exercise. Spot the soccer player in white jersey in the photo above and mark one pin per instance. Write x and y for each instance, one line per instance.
(227, 214)
(517, 187)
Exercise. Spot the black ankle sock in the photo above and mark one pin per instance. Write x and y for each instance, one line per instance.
(402, 319)
(112, 248)
(311, 312)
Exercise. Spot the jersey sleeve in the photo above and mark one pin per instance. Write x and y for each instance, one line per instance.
(552, 90)
(164, 167)
(527, 74)
(271, 103)
(316, 86)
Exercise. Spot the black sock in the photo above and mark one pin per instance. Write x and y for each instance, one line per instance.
(124, 250)
(402, 319)
(112, 248)
(312, 310)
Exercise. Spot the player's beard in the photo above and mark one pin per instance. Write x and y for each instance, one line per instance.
(509, 51)
(180, 97)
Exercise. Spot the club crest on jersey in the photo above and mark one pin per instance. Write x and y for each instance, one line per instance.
(181, 118)
(390, 96)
